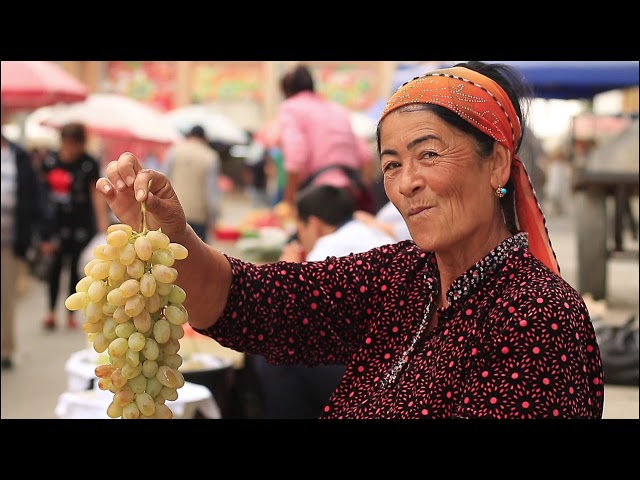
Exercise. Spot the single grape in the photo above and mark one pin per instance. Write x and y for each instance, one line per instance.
(117, 238)
(143, 248)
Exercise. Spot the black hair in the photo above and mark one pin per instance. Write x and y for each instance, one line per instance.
(297, 80)
(74, 131)
(333, 205)
(519, 93)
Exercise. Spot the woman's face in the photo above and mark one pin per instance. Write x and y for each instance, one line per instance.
(436, 179)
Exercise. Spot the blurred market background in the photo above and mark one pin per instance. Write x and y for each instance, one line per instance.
(585, 113)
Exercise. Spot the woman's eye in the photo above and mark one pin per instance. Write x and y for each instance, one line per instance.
(390, 166)
(428, 155)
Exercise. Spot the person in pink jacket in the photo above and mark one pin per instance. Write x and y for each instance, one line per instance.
(314, 133)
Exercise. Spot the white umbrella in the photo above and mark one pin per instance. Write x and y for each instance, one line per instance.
(217, 126)
(362, 125)
(30, 133)
(36, 134)
(113, 116)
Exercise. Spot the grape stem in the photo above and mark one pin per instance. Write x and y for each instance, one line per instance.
(143, 208)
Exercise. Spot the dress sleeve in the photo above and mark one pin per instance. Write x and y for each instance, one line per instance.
(310, 313)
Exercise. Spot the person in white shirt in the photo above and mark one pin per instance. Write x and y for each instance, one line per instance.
(325, 227)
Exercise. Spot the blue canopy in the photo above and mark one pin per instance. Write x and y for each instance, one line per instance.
(565, 80)
(577, 80)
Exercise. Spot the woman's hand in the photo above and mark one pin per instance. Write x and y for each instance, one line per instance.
(127, 186)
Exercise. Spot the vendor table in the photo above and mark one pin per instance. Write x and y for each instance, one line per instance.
(93, 403)
(84, 398)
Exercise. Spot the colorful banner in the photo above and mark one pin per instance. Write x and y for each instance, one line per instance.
(350, 85)
(227, 82)
(153, 83)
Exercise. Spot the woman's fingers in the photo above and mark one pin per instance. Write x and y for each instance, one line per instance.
(126, 172)
(105, 186)
(122, 172)
(127, 184)
(128, 167)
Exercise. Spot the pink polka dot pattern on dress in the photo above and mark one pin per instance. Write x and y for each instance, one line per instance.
(515, 340)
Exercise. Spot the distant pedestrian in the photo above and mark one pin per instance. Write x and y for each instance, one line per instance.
(558, 185)
(74, 212)
(255, 174)
(19, 214)
(194, 169)
(534, 157)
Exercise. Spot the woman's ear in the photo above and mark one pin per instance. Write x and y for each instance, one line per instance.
(500, 166)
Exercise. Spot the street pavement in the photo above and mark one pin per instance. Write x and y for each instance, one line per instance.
(32, 388)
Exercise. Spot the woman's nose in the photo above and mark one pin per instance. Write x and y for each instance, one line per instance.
(410, 180)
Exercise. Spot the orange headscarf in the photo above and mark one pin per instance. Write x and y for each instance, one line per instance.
(485, 105)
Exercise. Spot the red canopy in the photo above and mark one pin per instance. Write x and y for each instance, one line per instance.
(32, 84)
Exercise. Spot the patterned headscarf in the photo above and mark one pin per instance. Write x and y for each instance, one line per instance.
(485, 105)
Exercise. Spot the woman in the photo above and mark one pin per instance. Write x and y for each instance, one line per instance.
(471, 319)
(75, 211)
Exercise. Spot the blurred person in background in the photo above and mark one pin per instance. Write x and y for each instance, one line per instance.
(194, 169)
(326, 228)
(276, 175)
(470, 320)
(153, 159)
(388, 219)
(20, 212)
(255, 173)
(74, 213)
(316, 133)
(558, 186)
(534, 157)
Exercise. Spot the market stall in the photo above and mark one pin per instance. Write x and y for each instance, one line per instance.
(605, 182)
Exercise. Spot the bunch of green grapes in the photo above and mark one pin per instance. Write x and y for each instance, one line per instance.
(134, 313)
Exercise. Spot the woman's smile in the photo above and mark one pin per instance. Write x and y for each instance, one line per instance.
(416, 210)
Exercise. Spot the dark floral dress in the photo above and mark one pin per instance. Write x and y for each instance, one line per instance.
(515, 340)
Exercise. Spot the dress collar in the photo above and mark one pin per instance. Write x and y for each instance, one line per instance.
(474, 276)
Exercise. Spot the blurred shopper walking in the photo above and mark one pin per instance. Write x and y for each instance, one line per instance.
(194, 169)
(75, 211)
(255, 174)
(19, 214)
(276, 175)
(558, 185)
(315, 133)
